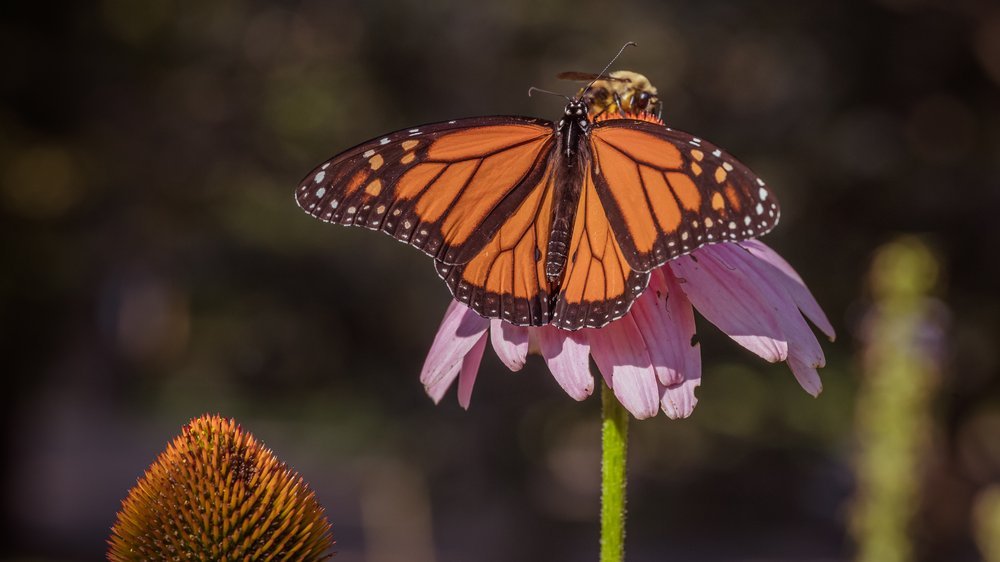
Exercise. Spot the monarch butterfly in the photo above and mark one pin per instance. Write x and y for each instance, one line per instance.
(540, 223)
(621, 91)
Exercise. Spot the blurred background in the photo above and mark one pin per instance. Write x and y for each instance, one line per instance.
(155, 267)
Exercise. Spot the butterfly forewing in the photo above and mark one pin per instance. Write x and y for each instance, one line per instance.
(668, 193)
(443, 188)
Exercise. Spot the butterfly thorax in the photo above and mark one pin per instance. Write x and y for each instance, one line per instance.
(571, 157)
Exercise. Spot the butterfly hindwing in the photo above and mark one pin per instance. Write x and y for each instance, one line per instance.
(668, 193)
(443, 188)
(598, 285)
(506, 277)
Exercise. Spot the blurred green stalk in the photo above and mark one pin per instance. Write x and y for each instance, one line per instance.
(987, 521)
(900, 367)
(614, 449)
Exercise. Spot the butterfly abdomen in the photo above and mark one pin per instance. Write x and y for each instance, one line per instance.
(558, 249)
(572, 156)
(567, 199)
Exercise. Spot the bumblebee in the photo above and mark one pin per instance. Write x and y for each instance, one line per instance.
(621, 91)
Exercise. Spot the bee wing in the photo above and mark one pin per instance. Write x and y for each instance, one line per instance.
(587, 77)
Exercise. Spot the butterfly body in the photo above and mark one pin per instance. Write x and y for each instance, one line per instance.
(571, 158)
(539, 223)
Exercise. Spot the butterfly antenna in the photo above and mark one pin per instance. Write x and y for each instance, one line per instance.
(620, 51)
(534, 89)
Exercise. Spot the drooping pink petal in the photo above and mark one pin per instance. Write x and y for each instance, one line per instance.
(805, 356)
(806, 375)
(804, 352)
(664, 316)
(783, 273)
(622, 357)
(510, 343)
(460, 330)
(470, 368)
(650, 315)
(735, 306)
(568, 356)
(679, 400)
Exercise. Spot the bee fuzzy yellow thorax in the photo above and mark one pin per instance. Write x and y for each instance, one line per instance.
(623, 91)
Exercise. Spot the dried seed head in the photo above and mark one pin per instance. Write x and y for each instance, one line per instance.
(217, 493)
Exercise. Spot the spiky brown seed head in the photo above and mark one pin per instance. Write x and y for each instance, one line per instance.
(217, 493)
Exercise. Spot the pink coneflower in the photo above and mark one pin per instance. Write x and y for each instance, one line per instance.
(650, 358)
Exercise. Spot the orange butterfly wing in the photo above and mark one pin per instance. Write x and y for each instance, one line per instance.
(477, 195)
(668, 193)
(444, 188)
(651, 194)
(506, 278)
(598, 285)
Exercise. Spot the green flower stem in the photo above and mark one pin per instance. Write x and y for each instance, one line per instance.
(614, 446)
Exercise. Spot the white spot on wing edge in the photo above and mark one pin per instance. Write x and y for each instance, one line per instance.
(369, 153)
(319, 176)
(321, 192)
